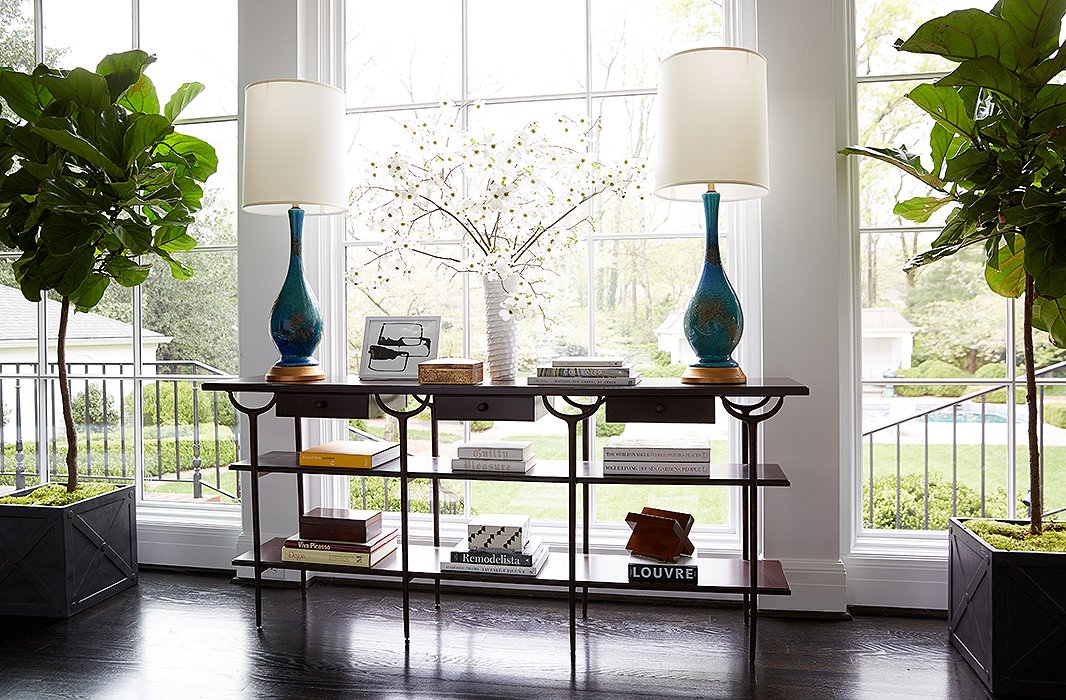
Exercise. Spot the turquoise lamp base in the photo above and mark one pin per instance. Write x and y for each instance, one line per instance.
(713, 321)
(295, 322)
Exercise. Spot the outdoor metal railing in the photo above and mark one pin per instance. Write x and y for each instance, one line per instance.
(179, 422)
(974, 404)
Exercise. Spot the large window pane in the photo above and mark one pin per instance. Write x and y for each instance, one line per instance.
(631, 37)
(99, 341)
(402, 52)
(522, 48)
(194, 40)
(216, 222)
(878, 23)
(190, 326)
(79, 34)
(16, 36)
(19, 456)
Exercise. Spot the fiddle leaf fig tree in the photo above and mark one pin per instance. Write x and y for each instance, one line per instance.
(95, 183)
(998, 148)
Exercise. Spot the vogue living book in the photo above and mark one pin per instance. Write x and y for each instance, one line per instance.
(354, 454)
(657, 468)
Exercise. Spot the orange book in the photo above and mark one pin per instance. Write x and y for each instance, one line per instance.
(354, 454)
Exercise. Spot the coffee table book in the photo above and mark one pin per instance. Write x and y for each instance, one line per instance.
(620, 448)
(588, 361)
(493, 465)
(683, 573)
(627, 468)
(340, 553)
(540, 556)
(340, 524)
(354, 454)
(498, 533)
(462, 554)
(495, 449)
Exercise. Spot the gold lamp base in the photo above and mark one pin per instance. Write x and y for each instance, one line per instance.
(303, 373)
(713, 375)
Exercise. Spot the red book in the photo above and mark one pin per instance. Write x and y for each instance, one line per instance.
(334, 546)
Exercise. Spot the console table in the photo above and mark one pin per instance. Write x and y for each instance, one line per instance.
(653, 400)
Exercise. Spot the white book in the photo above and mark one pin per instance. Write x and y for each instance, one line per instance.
(538, 563)
(496, 449)
(619, 448)
(583, 381)
(493, 465)
(588, 361)
(658, 468)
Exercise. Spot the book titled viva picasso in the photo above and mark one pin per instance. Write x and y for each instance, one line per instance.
(355, 454)
(341, 557)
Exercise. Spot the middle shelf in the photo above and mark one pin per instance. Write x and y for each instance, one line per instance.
(716, 575)
(549, 471)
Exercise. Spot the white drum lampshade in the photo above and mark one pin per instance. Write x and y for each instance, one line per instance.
(293, 148)
(712, 125)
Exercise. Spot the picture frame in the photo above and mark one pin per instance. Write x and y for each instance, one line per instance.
(394, 345)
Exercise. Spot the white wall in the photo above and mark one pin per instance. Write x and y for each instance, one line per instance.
(802, 281)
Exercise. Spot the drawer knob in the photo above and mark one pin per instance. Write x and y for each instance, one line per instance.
(321, 403)
(482, 407)
(659, 408)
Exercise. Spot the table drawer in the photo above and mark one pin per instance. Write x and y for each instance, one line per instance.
(323, 406)
(660, 409)
(525, 408)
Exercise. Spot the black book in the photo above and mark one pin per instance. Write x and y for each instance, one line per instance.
(461, 555)
(683, 573)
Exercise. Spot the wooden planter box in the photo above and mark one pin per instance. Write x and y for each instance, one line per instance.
(1008, 615)
(58, 560)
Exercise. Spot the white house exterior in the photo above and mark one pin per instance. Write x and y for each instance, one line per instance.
(671, 338)
(887, 342)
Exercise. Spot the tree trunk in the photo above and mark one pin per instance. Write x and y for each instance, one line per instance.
(1036, 495)
(64, 394)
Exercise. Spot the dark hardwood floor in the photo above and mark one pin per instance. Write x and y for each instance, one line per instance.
(181, 635)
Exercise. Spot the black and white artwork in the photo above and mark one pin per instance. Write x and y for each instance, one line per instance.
(394, 345)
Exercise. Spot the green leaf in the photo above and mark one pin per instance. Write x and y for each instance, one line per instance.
(66, 196)
(81, 148)
(946, 106)
(181, 99)
(128, 273)
(84, 88)
(919, 209)
(968, 164)
(66, 273)
(939, 143)
(192, 156)
(178, 269)
(1050, 315)
(1049, 109)
(173, 239)
(135, 236)
(111, 132)
(141, 96)
(967, 34)
(900, 158)
(122, 70)
(19, 93)
(1045, 260)
(985, 72)
(1036, 22)
(90, 292)
(1006, 273)
(145, 130)
(1039, 75)
(61, 235)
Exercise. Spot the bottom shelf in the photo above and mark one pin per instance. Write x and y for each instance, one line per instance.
(598, 570)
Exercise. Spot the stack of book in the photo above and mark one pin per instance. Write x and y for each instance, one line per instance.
(494, 456)
(657, 457)
(340, 537)
(596, 371)
(498, 544)
(351, 454)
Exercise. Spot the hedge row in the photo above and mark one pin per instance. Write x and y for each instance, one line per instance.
(912, 502)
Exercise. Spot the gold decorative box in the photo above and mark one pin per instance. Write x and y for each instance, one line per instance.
(451, 371)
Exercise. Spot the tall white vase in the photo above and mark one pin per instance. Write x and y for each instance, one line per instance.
(501, 333)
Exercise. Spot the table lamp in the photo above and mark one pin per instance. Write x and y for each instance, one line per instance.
(294, 163)
(712, 144)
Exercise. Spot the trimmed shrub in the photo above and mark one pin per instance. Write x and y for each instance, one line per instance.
(912, 502)
(165, 413)
(419, 493)
(98, 407)
(1055, 414)
(605, 429)
(993, 370)
(480, 426)
(933, 369)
